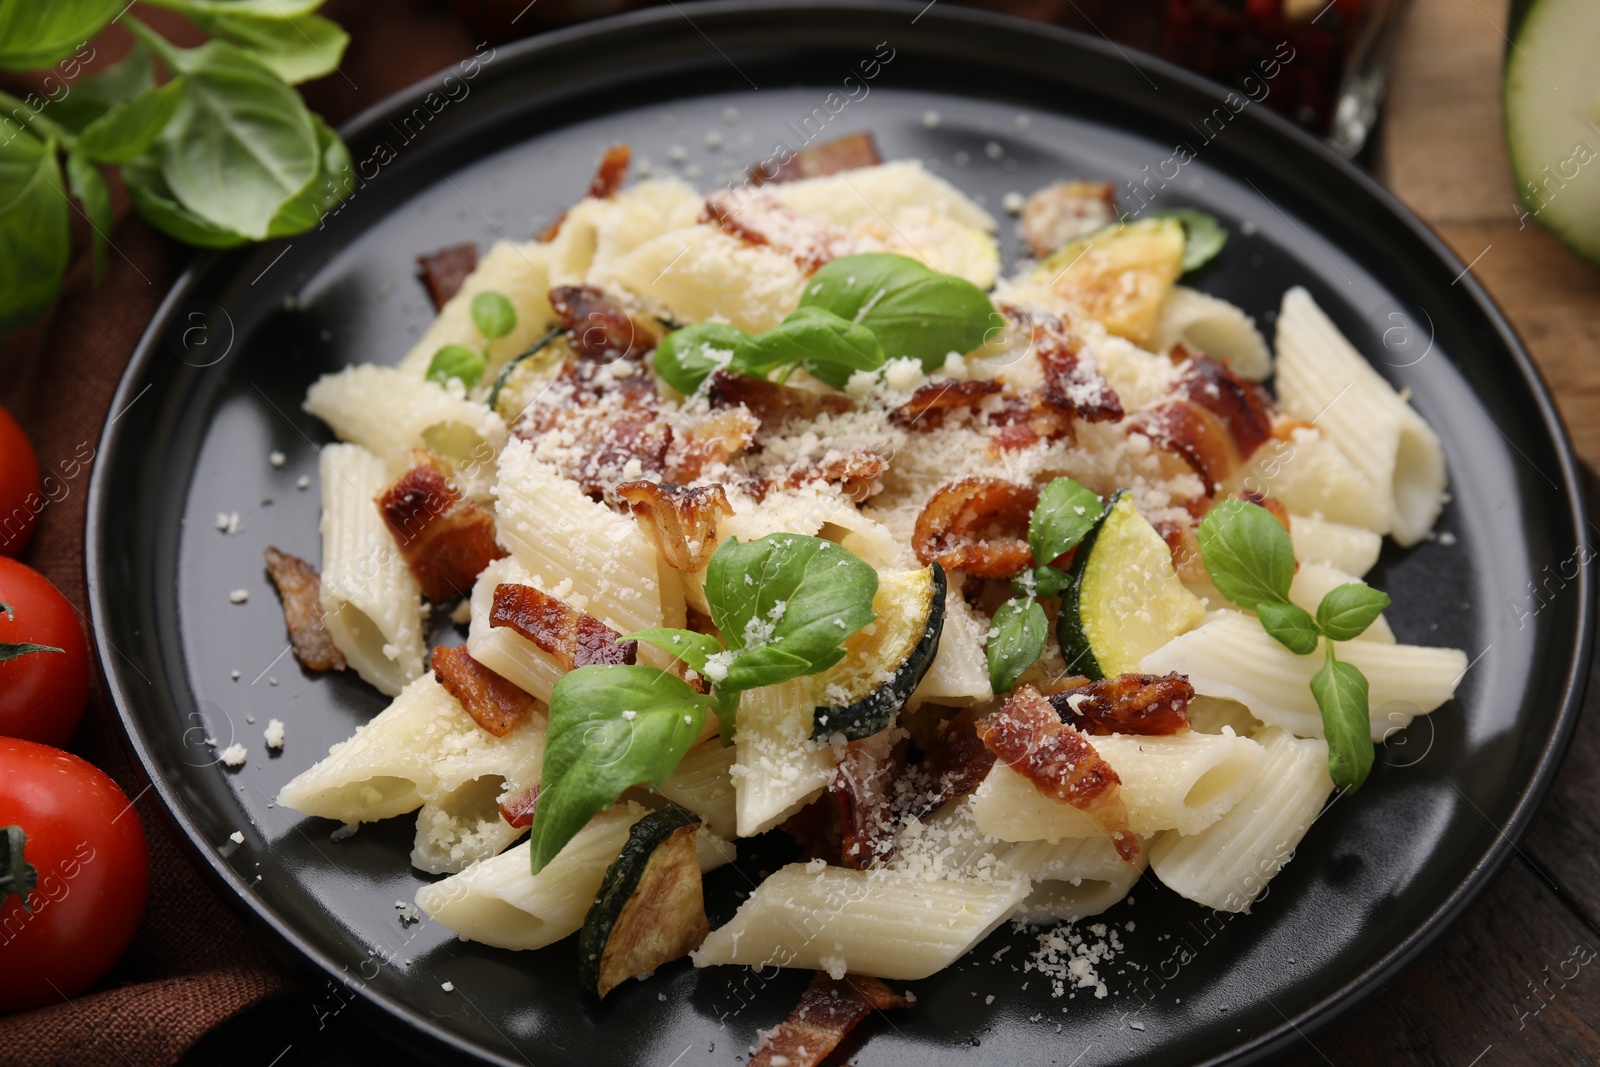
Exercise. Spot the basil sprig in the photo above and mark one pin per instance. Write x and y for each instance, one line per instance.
(857, 313)
(784, 604)
(1250, 558)
(912, 309)
(1065, 514)
(224, 153)
(494, 317)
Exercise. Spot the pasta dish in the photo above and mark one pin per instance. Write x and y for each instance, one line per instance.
(789, 509)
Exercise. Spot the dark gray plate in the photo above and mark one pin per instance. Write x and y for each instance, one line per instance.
(217, 382)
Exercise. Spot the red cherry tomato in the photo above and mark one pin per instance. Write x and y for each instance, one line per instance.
(42, 694)
(19, 488)
(83, 850)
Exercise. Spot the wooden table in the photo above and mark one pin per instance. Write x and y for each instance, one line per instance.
(1493, 992)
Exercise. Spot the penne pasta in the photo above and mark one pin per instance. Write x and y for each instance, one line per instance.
(421, 749)
(1227, 866)
(498, 902)
(1184, 781)
(1323, 379)
(1231, 656)
(371, 603)
(582, 552)
(389, 412)
(703, 784)
(880, 923)
(778, 769)
(1219, 329)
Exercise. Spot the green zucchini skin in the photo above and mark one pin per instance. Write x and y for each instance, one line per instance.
(621, 879)
(876, 710)
(1069, 624)
(1546, 93)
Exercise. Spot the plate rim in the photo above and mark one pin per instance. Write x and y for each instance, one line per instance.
(1332, 1007)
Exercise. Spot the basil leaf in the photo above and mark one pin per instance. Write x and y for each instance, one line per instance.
(1290, 625)
(241, 144)
(456, 361)
(35, 234)
(1203, 235)
(1347, 610)
(1016, 640)
(828, 346)
(691, 647)
(92, 97)
(89, 186)
(1047, 581)
(333, 182)
(493, 314)
(129, 129)
(686, 357)
(785, 603)
(912, 309)
(610, 728)
(296, 48)
(1065, 514)
(1341, 692)
(156, 202)
(1247, 552)
(37, 33)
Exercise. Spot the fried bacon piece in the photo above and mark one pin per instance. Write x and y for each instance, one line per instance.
(1030, 737)
(444, 538)
(772, 402)
(602, 407)
(609, 174)
(300, 588)
(600, 330)
(978, 526)
(1072, 384)
(681, 522)
(1211, 418)
(828, 1010)
(518, 811)
(863, 792)
(712, 442)
(763, 219)
(571, 637)
(857, 473)
(602, 422)
(1063, 211)
(844, 153)
(926, 408)
(953, 765)
(611, 171)
(493, 702)
(442, 272)
(1145, 704)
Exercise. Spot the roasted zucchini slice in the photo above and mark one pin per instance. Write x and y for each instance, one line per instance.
(1120, 275)
(651, 907)
(883, 663)
(1124, 600)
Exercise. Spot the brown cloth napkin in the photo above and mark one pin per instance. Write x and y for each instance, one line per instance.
(193, 962)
